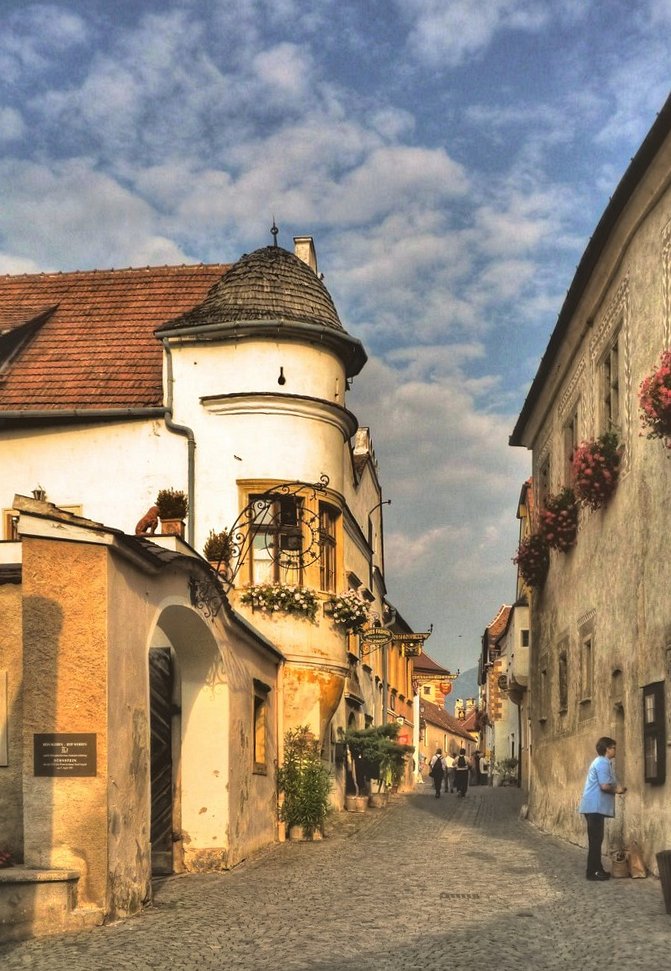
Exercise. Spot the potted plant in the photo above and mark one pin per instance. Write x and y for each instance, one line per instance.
(533, 559)
(596, 468)
(218, 549)
(304, 782)
(172, 505)
(559, 520)
(654, 397)
(375, 753)
(348, 610)
(277, 597)
(505, 770)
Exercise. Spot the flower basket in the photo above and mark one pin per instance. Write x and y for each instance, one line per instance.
(596, 468)
(559, 520)
(533, 559)
(654, 397)
(349, 611)
(275, 597)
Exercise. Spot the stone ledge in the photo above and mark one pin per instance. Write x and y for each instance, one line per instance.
(24, 874)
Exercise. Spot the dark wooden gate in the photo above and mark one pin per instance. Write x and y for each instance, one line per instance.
(161, 690)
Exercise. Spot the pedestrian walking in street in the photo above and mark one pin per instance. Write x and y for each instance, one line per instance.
(462, 768)
(476, 767)
(437, 771)
(598, 802)
(449, 772)
(484, 770)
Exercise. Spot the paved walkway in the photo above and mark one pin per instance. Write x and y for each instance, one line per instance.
(424, 884)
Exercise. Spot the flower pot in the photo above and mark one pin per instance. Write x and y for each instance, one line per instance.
(172, 527)
(296, 833)
(377, 800)
(356, 804)
(497, 779)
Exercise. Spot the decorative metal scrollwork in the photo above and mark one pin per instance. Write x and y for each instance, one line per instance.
(206, 595)
(280, 527)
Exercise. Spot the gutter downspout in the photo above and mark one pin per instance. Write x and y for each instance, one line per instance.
(191, 443)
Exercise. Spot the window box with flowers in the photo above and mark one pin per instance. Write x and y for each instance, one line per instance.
(654, 397)
(348, 610)
(559, 520)
(533, 559)
(277, 597)
(596, 468)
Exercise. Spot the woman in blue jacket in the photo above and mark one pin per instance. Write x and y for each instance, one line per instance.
(598, 801)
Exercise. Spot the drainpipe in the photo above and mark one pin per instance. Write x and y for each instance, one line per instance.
(384, 667)
(191, 444)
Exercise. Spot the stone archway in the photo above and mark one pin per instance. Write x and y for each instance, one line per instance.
(190, 729)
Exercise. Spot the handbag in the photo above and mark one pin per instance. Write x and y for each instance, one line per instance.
(635, 862)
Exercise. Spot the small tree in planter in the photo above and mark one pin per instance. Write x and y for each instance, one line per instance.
(654, 397)
(304, 781)
(376, 754)
(505, 768)
(533, 559)
(218, 547)
(596, 468)
(559, 520)
(172, 505)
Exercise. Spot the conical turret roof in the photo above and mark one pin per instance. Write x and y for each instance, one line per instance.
(268, 284)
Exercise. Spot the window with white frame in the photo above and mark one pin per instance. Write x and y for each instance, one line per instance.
(654, 733)
(276, 540)
(610, 387)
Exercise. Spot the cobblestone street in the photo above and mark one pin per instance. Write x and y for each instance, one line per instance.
(425, 883)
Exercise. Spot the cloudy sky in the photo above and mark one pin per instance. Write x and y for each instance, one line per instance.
(450, 157)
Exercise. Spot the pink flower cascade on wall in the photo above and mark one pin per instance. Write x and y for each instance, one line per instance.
(596, 468)
(654, 397)
(559, 520)
(533, 559)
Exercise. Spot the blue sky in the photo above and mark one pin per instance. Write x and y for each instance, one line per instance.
(450, 158)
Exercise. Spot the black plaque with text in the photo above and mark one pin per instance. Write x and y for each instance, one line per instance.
(65, 754)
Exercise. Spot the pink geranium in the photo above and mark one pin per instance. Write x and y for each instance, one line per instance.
(596, 467)
(533, 559)
(559, 520)
(654, 397)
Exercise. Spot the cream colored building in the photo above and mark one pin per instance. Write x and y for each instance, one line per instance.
(228, 383)
(601, 623)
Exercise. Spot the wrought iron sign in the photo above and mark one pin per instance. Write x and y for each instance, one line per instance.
(411, 644)
(279, 526)
(373, 638)
(206, 595)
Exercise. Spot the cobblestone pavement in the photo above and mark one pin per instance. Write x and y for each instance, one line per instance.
(426, 883)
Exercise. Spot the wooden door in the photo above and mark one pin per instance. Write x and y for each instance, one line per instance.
(161, 693)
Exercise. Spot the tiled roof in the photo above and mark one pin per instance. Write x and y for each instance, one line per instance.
(498, 625)
(95, 347)
(268, 284)
(423, 664)
(438, 716)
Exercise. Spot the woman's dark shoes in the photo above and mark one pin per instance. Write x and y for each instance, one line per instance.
(599, 875)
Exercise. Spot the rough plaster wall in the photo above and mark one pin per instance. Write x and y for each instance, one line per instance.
(616, 573)
(11, 661)
(65, 633)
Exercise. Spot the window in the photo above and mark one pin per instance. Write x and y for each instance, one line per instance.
(427, 689)
(327, 547)
(563, 681)
(654, 741)
(610, 389)
(276, 540)
(543, 480)
(260, 726)
(571, 442)
(10, 519)
(586, 668)
(524, 637)
(543, 691)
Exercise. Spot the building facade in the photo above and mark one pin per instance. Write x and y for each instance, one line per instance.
(226, 383)
(601, 618)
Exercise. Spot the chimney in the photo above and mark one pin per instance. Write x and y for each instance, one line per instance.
(304, 249)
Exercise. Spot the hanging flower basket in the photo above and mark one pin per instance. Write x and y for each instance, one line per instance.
(533, 559)
(349, 611)
(276, 597)
(596, 468)
(559, 520)
(654, 397)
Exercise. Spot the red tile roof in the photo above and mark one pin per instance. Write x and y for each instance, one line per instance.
(423, 664)
(95, 347)
(438, 716)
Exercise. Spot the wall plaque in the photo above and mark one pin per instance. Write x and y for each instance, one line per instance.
(65, 754)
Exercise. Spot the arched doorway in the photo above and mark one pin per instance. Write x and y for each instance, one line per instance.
(189, 718)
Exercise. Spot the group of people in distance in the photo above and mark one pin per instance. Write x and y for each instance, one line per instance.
(453, 771)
